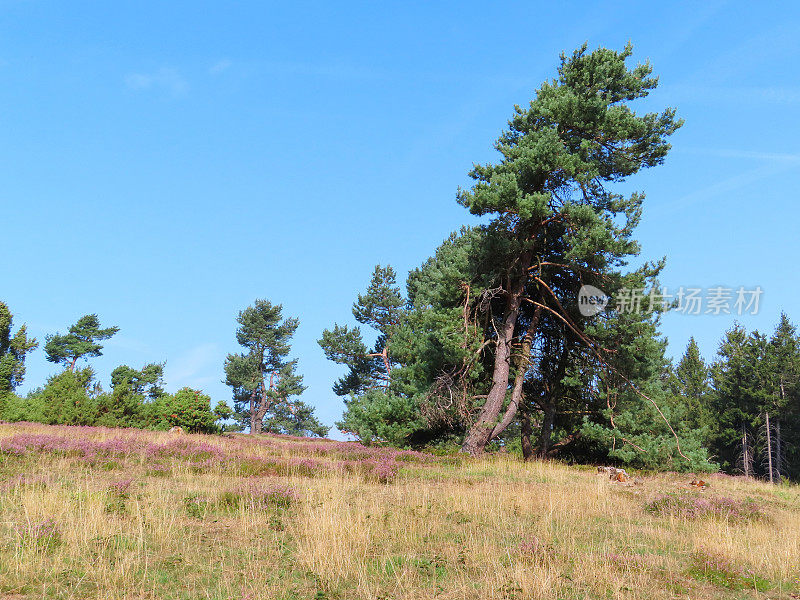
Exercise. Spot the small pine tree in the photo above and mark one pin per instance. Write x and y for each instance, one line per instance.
(13, 349)
(264, 381)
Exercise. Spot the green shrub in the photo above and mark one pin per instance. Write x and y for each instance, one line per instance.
(187, 408)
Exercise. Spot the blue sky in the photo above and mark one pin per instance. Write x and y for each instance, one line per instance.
(164, 164)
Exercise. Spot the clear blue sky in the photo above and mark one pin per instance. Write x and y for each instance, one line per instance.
(163, 164)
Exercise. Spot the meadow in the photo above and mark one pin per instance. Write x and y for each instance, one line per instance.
(89, 512)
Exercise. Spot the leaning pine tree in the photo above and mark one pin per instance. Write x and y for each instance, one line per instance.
(81, 341)
(551, 204)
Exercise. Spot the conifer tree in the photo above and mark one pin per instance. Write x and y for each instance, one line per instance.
(692, 385)
(549, 195)
(13, 349)
(735, 399)
(81, 341)
(149, 381)
(263, 379)
(783, 402)
(370, 401)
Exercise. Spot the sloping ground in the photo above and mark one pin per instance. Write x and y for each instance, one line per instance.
(109, 513)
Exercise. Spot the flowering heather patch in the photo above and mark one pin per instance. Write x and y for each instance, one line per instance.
(697, 507)
(385, 470)
(187, 449)
(530, 546)
(118, 496)
(44, 535)
(382, 471)
(532, 549)
(720, 571)
(23, 443)
(23, 481)
(240, 455)
(355, 451)
(157, 470)
(120, 488)
(275, 494)
(259, 497)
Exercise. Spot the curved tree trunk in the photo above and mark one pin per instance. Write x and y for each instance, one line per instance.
(523, 362)
(481, 431)
(265, 403)
(253, 412)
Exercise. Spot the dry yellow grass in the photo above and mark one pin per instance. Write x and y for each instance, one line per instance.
(450, 529)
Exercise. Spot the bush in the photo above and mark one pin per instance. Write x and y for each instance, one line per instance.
(187, 408)
(64, 400)
(122, 408)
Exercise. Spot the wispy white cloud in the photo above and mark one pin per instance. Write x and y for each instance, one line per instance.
(736, 183)
(127, 343)
(734, 94)
(196, 367)
(220, 66)
(342, 71)
(782, 157)
(688, 27)
(735, 63)
(165, 79)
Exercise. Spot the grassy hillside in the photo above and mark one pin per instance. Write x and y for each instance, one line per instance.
(109, 513)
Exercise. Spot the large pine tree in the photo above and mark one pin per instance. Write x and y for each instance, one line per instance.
(550, 200)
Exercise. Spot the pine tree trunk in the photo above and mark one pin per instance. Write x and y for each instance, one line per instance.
(480, 433)
(253, 412)
(265, 404)
(546, 435)
(778, 456)
(769, 448)
(526, 430)
(261, 413)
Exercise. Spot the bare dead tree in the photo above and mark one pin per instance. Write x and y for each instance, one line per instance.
(746, 454)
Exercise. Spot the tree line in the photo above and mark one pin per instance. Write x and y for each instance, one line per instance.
(747, 401)
(75, 397)
(264, 382)
(485, 346)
